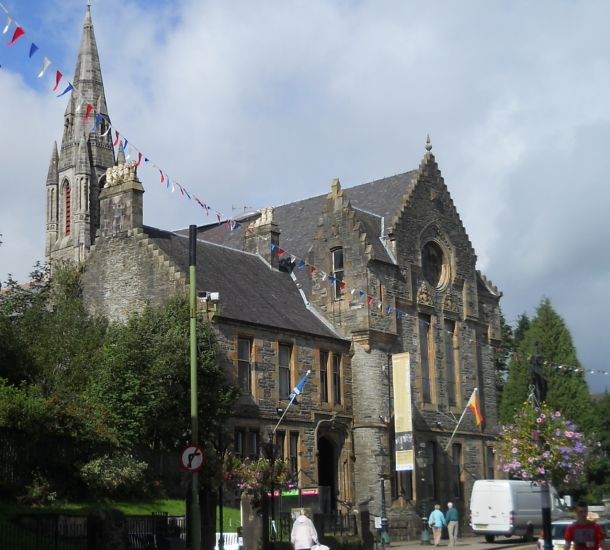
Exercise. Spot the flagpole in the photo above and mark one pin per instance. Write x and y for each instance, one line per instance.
(460, 420)
(284, 413)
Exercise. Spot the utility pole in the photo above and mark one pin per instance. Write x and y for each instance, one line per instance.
(195, 509)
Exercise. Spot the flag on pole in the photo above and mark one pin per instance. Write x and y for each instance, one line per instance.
(474, 405)
(299, 387)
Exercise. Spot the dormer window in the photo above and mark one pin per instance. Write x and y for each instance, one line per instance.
(337, 272)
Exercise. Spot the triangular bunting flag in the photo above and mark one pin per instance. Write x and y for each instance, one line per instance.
(139, 159)
(33, 49)
(116, 141)
(87, 112)
(9, 20)
(98, 119)
(313, 269)
(58, 76)
(45, 66)
(19, 32)
(68, 88)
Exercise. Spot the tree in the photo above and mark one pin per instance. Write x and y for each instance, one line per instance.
(141, 380)
(547, 340)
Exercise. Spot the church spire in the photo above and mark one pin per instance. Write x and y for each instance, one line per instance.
(84, 155)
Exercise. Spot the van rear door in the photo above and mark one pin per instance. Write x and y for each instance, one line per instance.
(491, 505)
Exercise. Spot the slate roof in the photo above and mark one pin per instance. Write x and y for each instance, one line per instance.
(250, 291)
(297, 221)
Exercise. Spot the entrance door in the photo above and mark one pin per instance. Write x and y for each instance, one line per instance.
(327, 472)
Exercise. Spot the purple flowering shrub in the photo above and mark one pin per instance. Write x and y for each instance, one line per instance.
(257, 476)
(542, 446)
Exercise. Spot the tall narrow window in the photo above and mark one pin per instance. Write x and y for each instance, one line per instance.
(244, 365)
(424, 352)
(238, 443)
(450, 362)
(338, 272)
(293, 456)
(490, 463)
(456, 469)
(68, 209)
(324, 377)
(285, 352)
(280, 443)
(337, 378)
(253, 447)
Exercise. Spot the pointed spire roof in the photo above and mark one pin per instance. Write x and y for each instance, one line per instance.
(120, 159)
(88, 82)
(53, 174)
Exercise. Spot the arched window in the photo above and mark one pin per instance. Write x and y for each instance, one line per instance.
(67, 206)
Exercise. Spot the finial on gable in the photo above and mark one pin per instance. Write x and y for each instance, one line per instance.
(428, 143)
(335, 186)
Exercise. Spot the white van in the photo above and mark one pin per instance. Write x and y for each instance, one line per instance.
(508, 507)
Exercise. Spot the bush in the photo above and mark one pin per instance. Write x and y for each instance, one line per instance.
(118, 475)
(39, 492)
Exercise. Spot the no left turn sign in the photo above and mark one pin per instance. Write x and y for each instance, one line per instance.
(192, 458)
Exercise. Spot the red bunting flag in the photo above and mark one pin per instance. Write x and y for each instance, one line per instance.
(313, 269)
(280, 251)
(162, 176)
(116, 139)
(87, 112)
(19, 32)
(58, 76)
(342, 285)
(370, 300)
(139, 159)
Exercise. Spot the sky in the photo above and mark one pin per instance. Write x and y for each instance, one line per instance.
(254, 103)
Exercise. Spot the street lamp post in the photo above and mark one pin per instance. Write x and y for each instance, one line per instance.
(384, 520)
(421, 462)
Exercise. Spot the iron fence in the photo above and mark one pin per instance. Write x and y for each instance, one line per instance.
(44, 532)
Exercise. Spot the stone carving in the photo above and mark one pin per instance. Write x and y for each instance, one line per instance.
(450, 304)
(265, 218)
(116, 175)
(424, 296)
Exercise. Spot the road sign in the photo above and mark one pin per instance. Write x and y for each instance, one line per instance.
(192, 458)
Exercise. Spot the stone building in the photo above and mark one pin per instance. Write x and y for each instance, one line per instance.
(339, 283)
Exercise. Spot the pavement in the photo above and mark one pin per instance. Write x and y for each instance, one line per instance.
(466, 543)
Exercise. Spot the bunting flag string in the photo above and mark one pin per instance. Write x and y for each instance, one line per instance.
(80, 100)
(355, 293)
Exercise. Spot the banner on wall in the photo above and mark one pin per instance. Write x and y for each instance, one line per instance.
(403, 419)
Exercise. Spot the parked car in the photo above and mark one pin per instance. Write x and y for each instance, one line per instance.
(502, 507)
(558, 529)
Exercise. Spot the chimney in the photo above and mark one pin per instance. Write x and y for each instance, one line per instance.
(261, 234)
(121, 204)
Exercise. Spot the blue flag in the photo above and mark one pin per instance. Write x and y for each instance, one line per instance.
(299, 387)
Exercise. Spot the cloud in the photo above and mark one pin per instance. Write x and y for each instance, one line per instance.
(256, 104)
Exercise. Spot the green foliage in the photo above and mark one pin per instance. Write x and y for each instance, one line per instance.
(546, 339)
(502, 355)
(540, 445)
(115, 475)
(39, 492)
(597, 484)
(21, 408)
(141, 380)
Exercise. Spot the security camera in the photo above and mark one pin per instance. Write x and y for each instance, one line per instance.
(206, 296)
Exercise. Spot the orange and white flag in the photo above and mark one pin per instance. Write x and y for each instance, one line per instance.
(475, 406)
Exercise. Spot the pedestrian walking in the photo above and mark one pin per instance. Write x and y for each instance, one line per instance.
(303, 535)
(437, 521)
(452, 518)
